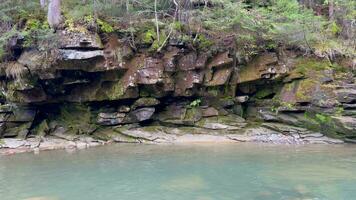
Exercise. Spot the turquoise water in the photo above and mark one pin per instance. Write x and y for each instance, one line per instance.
(182, 172)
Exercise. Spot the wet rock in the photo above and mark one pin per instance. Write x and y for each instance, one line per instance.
(139, 115)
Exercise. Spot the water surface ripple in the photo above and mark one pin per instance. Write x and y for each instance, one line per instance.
(183, 172)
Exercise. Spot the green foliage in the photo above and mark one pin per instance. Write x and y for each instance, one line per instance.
(149, 36)
(335, 29)
(194, 104)
(322, 118)
(203, 42)
(19, 19)
(104, 26)
(256, 24)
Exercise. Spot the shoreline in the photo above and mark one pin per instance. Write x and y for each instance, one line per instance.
(158, 135)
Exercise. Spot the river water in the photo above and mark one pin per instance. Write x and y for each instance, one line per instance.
(182, 172)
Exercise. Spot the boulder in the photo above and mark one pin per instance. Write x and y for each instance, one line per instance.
(139, 115)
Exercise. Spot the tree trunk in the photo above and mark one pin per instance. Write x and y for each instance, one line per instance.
(54, 13)
(331, 10)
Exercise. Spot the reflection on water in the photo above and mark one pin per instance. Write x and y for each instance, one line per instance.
(182, 172)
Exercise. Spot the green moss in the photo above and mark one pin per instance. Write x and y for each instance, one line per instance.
(76, 117)
(304, 66)
(116, 91)
(149, 36)
(262, 93)
(305, 89)
(41, 129)
(323, 123)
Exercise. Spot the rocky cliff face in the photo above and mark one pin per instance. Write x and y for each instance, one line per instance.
(104, 89)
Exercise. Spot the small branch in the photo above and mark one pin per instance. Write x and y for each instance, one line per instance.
(165, 41)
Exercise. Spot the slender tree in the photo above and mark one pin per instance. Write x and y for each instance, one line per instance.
(54, 13)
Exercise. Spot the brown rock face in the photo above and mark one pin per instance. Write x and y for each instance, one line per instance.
(118, 85)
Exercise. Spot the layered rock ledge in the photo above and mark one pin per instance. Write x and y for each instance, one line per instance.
(106, 91)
